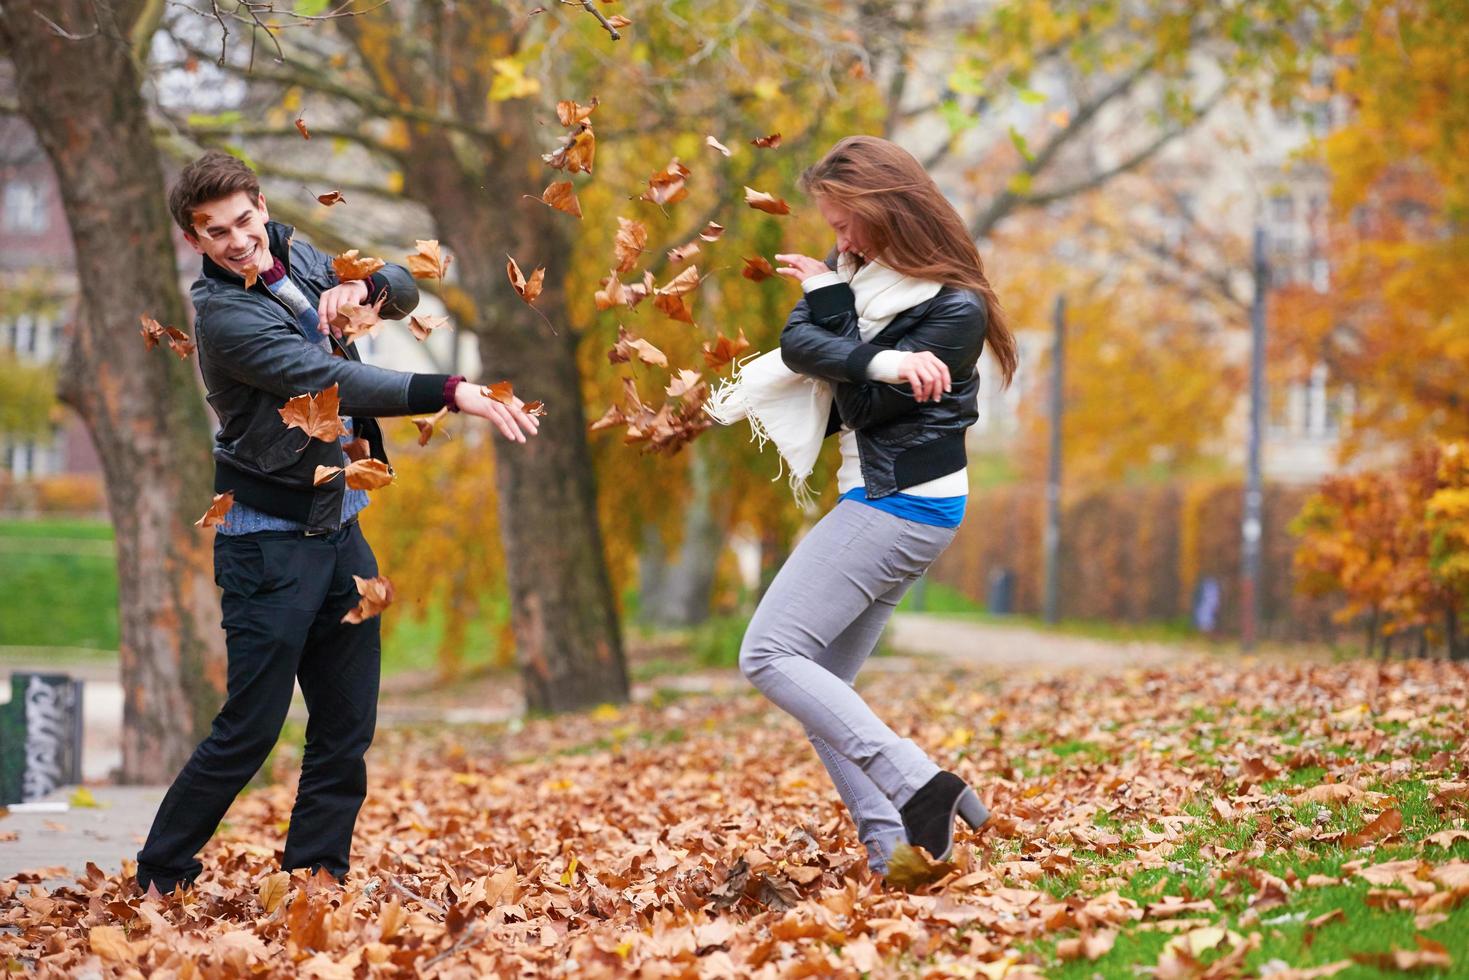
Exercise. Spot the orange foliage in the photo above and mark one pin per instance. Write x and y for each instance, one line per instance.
(1367, 538)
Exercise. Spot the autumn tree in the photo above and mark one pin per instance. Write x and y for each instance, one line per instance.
(142, 408)
(1393, 324)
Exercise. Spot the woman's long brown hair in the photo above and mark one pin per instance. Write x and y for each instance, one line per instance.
(911, 223)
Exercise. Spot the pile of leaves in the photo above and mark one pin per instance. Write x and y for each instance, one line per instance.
(1215, 820)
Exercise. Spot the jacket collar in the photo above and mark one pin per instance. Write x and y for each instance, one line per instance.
(279, 236)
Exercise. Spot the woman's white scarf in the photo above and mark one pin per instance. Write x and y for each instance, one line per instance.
(790, 409)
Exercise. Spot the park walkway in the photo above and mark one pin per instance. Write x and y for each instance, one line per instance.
(115, 827)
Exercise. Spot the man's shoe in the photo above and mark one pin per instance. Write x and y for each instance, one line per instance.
(929, 816)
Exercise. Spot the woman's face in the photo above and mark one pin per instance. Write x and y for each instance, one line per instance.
(851, 237)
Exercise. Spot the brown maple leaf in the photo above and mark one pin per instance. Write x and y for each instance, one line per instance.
(667, 186)
(761, 201)
(714, 144)
(628, 346)
(353, 319)
(350, 265)
(501, 391)
(613, 416)
(766, 142)
(526, 289)
(301, 128)
(331, 198)
(573, 114)
(910, 868)
(427, 262)
(711, 232)
(362, 474)
(628, 243)
(674, 307)
(316, 415)
(424, 324)
(561, 195)
(576, 152)
(724, 350)
(683, 253)
(377, 594)
(613, 293)
(427, 427)
(218, 507)
(685, 282)
(252, 275)
(757, 269)
(536, 409)
(152, 331)
(683, 383)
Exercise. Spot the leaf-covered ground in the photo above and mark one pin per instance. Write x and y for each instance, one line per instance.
(1217, 819)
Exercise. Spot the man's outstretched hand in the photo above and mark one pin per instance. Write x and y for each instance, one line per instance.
(512, 421)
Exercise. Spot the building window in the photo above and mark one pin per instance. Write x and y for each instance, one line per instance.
(1283, 208)
(24, 207)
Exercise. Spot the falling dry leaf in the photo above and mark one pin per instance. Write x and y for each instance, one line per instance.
(757, 268)
(377, 595)
(368, 474)
(572, 114)
(715, 144)
(427, 262)
(218, 507)
(301, 128)
(576, 152)
(535, 409)
(526, 289)
(911, 868)
(423, 325)
(617, 20)
(767, 142)
(331, 198)
(685, 282)
(316, 415)
(711, 232)
(501, 391)
(683, 383)
(350, 265)
(252, 276)
(761, 201)
(667, 185)
(353, 319)
(429, 426)
(561, 195)
(683, 253)
(613, 416)
(723, 350)
(613, 293)
(628, 244)
(629, 346)
(674, 307)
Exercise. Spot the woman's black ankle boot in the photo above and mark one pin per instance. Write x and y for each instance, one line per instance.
(929, 816)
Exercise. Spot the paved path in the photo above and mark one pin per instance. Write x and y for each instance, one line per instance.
(1023, 648)
(114, 831)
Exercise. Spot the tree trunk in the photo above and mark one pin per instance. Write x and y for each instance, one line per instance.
(568, 642)
(142, 408)
(1458, 647)
(678, 592)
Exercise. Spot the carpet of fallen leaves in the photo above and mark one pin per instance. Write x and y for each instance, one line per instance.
(696, 836)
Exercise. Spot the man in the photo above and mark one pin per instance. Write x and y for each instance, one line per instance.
(288, 549)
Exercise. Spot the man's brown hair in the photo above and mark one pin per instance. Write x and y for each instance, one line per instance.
(214, 175)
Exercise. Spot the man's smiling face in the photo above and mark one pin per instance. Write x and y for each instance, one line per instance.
(231, 231)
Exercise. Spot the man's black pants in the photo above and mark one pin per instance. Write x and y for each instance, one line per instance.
(285, 594)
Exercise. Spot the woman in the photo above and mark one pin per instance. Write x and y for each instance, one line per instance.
(892, 334)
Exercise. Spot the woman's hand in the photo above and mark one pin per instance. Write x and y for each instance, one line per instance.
(471, 400)
(799, 267)
(928, 375)
(332, 301)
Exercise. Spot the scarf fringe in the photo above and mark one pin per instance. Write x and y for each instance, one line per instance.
(729, 403)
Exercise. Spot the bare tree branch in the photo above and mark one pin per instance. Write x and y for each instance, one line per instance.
(591, 8)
